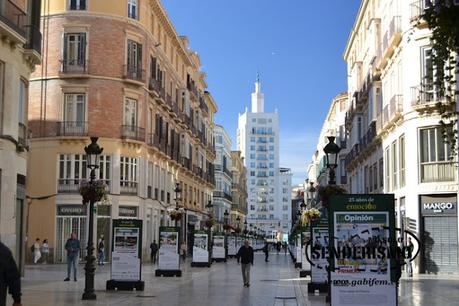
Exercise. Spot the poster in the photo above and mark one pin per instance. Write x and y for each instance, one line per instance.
(218, 249)
(363, 234)
(298, 250)
(201, 247)
(305, 265)
(126, 250)
(319, 254)
(168, 248)
(232, 246)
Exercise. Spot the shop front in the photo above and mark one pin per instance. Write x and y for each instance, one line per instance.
(69, 219)
(439, 253)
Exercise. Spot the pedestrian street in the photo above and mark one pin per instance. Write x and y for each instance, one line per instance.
(273, 283)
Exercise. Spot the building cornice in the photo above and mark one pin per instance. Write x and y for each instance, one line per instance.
(358, 21)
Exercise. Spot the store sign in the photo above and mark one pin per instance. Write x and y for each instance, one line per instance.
(128, 211)
(126, 250)
(71, 210)
(434, 205)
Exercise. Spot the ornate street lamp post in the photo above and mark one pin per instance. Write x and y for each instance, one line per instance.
(311, 193)
(331, 152)
(238, 220)
(92, 158)
(178, 192)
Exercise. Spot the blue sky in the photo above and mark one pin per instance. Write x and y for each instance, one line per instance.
(297, 46)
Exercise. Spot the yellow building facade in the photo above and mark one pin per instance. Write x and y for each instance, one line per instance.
(117, 70)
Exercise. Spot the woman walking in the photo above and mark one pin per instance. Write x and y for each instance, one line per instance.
(36, 251)
(45, 251)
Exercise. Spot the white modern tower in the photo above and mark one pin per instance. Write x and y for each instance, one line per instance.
(258, 141)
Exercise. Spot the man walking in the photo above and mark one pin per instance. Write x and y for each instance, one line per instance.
(101, 252)
(266, 251)
(245, 255)
(154, 250)
(73, 248)
(409, 253)
(9, 277)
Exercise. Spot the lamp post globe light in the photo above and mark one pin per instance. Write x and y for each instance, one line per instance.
(331, 152)
(92, 158)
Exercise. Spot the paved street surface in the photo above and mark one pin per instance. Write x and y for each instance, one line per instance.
(273, 283)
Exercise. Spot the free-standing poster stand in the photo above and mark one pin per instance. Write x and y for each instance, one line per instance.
(201, 256)
(218, 248)
(319, 264)
(125, 271)
(169, 260)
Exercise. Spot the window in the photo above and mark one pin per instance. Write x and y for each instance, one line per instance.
(130, 112)
(387, 170)
(134, 59)
(435, 157)
(77, 5)
(381, 173)
(22, 103)
(375, 176)
(401, 160)
(394, 166)
(72, 169)
(74, 108)
(132, 9)
(128, 174)
(74, 52)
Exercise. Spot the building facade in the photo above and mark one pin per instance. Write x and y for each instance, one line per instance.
(258, 141)
(238, 190)
(135, 84)
(334, 125)
(396, 142)
(20, 52)
(222, 195)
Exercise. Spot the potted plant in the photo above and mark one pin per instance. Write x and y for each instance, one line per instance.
(309, 216)
(176, 214)
(210, 222)
(326, 192)
(94, 191)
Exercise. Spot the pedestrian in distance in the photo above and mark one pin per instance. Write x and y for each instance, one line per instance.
(245, 256)
(10, 278)
(45, 251)
(284, 246)
(36, 251)
(408, 254)
(183, 251)
(72, 246)
(266, 251)
(101, 252)
(154, 251)
(278, 247)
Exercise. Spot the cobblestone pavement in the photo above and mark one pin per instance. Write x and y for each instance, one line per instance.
(273, 283)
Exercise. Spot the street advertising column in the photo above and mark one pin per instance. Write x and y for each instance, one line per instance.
(218, 248)
(317, 254)
(168, 260)
(363, 250)
(231, 245)
(125, 271)
(305, 265)
(201, 256)
(298, 251)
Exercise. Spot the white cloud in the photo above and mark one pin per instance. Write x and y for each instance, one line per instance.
(296, 149)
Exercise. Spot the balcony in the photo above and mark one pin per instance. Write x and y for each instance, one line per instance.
(425, 97)
(73, 185)
(391, 40)
(13, 16)
(74, 66)
(132, 132)
(154, 85)
(72, 128)
(198, 171)
(438, 172)
(134, 73)
(129, 188)
(22, 134)
(417, 9)
(33, 36)
(223, 170)
(186, 162)
(392, 112)
(222, 194)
